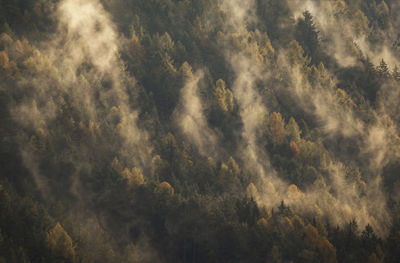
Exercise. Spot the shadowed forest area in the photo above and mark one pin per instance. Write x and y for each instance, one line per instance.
(199, 131)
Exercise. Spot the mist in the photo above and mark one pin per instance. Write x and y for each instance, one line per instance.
(86, 38)
(191, 118)
(344, 201)
(199, 131)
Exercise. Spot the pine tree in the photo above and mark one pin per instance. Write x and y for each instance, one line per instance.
(396, 74)
(307, 36)
(383, 70)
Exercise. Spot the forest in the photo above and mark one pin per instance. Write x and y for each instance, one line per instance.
(162, 131)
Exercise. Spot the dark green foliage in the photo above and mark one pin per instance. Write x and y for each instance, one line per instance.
(74, 188)
(307, 36)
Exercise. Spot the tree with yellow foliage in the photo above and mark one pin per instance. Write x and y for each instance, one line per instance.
(223, 96)
(276, 128)
(133, 177)
(60, 244)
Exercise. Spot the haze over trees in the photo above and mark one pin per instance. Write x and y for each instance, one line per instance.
(199, 131)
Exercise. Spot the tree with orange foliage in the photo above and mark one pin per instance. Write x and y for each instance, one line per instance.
(165, 187)
(4, 60)
(318, 247)
(295, 149)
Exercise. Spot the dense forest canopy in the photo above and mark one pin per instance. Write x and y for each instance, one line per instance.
(199, 131)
